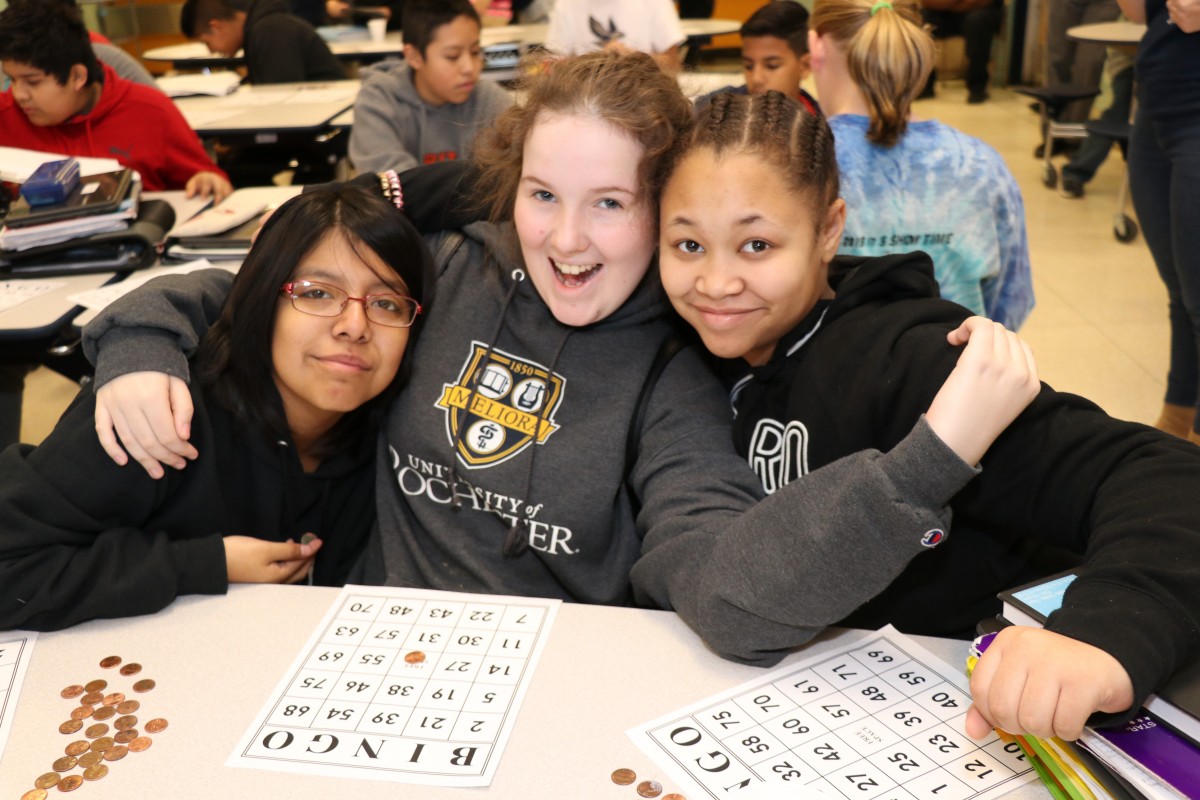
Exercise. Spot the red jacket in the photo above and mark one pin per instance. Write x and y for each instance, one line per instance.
(138, 126)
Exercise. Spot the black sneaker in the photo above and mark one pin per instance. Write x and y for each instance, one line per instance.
(1070, 188)
(977, 96)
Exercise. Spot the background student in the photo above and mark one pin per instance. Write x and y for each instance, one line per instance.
(292, 381)
(836, 355)
(916, 184)
(774, 53)
(978, 22)
(520, 459)
(62, 100)
(429, 106)
(647, 26)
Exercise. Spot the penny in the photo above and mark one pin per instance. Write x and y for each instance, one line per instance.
(70, 726)
(95, 773)
(125, 737)
(156, 725)
(113, 699)
(104, 712)
(70, 783)
(140, 744)
(96, 685)
(673, 796)
(47, 780)
(91, 698)
(81, 713)
(649, 789)
(77, 748)
(131, 669)
(64, 764)
(71, 692)
(415, 657)
(90, 759)
(623, 777)
(110, 662)
(102, 744)
(94, 731)
(128, 706)
(125, 723)
(144, 685)
(34, 794)
(116, 752)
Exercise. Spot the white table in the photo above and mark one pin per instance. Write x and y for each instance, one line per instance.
(1117, 33)
(270, 109)
(217, 659)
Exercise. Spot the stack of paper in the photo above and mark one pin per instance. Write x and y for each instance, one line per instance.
(216, 84)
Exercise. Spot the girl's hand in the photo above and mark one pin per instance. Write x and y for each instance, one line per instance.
(151, 412)
(250, 560)
(994, 380)
(1032, 681)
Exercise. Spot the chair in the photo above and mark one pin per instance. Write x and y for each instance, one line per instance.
(1124, 228)
(1052, 100)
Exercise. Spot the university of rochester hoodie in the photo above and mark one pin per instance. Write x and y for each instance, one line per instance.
(138, 126)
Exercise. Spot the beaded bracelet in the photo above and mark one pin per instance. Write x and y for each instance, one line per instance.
(389, 184)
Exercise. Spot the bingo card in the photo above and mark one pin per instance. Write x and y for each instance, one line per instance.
(406, 685)
(16, 649)
(881, 719)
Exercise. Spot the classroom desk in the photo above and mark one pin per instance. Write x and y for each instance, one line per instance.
(270, 109)
(217, 659)
(1113, 34)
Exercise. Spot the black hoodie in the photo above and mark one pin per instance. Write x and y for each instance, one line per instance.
(1064, 479)
(282, 48)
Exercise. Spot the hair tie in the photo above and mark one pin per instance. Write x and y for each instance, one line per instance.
(880, 4)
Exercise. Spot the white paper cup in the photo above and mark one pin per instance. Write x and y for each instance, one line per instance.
(377, 28)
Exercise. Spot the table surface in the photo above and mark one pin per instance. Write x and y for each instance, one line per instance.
(216, 660)
(270, 108)
(1112, 33)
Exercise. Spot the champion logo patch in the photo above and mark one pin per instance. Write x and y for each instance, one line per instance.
(933, 538)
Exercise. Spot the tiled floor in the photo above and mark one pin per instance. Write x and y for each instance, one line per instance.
(1100, 325)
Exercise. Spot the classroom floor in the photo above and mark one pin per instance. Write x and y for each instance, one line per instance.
(1100, 325)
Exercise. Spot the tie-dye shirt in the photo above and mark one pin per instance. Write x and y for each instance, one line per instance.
(946, 193)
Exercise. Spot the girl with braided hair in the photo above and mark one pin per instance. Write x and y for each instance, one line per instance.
(838, 355)
(916, 184)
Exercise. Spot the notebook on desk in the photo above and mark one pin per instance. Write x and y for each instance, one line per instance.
(98, 194)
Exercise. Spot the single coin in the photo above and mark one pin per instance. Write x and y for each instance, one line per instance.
(131, 669)
(623, 776)
(113, 699)
(72, 691)
(94, 731)
(128, 706)
(96, 686)
(83, 712)
(71, 726)
(308, 537)
(649, 789)
(116, 752)
(104, 712)
(156, 725)
(92, 698)
(125, 737)
(415, 657)
(90, 759)
(47, 780)
(95, 772)
(34, 794)
(77, 748)
(673, 796)
(140, 744)
(144, 685)
(64, 764)
(70, 783)
(102, 744)
(110, 662)
(125, 723)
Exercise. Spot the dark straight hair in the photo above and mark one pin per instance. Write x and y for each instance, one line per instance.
(48, 36)
(782, 19)
(422, 18)
(234, 359)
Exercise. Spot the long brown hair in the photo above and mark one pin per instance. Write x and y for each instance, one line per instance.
(628, 91)
(889, 53)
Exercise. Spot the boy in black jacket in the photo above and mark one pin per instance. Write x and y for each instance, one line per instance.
(844, 354)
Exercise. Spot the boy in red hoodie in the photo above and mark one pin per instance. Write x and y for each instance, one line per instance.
(62, 100)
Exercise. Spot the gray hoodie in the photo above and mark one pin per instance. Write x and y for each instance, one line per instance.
(395, 129)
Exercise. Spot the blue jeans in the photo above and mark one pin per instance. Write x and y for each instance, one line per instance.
(1091, 154)
(1164, 171)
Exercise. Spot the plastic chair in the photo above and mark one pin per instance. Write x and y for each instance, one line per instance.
(1053, 99)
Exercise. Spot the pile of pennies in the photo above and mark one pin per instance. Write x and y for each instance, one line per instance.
(624, 777)
(94, 709)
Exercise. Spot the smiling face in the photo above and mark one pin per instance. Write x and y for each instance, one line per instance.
(451, 65)
(325, 367)
(741, 256)
(42, 98)
(768, 63)
(586, 230)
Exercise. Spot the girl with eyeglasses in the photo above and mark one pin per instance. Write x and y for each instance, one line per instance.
(291, 384)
